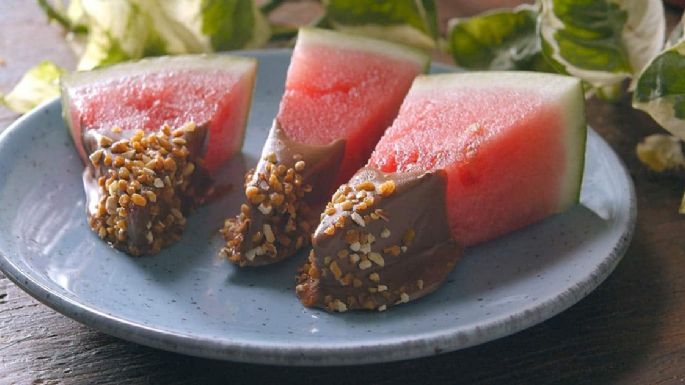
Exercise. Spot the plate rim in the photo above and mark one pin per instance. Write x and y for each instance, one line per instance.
(320, 354)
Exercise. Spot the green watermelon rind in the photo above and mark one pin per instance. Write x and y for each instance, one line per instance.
(354, 42)
(572, 104)
(228, 63)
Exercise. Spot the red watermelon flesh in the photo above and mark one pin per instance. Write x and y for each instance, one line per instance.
(512, 145)
(345, 87)
(212, 91)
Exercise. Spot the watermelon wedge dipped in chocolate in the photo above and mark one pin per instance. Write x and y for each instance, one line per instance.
(152, 134)
(470, 157)
(342, 91)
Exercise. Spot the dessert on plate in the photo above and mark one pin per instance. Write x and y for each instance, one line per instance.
(152, 135)
(470, 157)
(342, 91)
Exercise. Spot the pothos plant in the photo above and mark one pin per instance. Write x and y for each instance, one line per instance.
(606, 43)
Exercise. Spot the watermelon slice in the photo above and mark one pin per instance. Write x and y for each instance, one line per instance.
(213, 91)
(342, 91)
(152, 134)
(347, 87)
(512, 143)
(470, 157)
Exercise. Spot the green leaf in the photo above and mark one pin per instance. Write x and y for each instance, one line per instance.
(411, 22)
(117, 31)
(660, 89)
(611, 93)
(39, 84)
(503, 39)
(131, 29)
(270, 5)
(64, 19)
(601, 41)
(234, 24)
(661, 153)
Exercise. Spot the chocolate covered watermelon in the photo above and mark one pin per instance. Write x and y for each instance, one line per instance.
(152, 134)
(342, 91)
(470, 157)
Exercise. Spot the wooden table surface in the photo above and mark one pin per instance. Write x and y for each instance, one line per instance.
(631, 330)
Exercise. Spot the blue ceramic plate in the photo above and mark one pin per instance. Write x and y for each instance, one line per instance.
(189, 300)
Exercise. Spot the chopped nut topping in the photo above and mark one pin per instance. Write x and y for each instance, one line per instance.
(340, 306)
(335, 269)
(330, 230)
(358, 219)
(387, 188)
(138, 200)
(354, 208)
(392, 250)
(352, 236)
(366, 185)
(105, 141)
(131, 176)
(377, 259)
(190, 127)
(277, 192)
(264, 209)
(95, 157)
(268, 233)
(408, 237)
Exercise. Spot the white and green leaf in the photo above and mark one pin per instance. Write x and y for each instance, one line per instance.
(132, 29)
(411, 22)
(234, 24)
(117, 31)
(39, 84)
(502, 39)
(661, 153)
(602, 42)
(660, 89)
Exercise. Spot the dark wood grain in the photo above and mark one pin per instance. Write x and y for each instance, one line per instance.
(631, 330)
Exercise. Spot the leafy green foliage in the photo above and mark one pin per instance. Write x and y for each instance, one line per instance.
(232, 24)
(660, 89)
(499, 40)
(38, 84)
(601, 41)
(661, 153)
(591, 36)
(408, 21)
(131, 29)
(227, 22)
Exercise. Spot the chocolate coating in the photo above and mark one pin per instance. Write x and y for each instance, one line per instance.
(139, 187)
(384, 240)
(284, 196)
